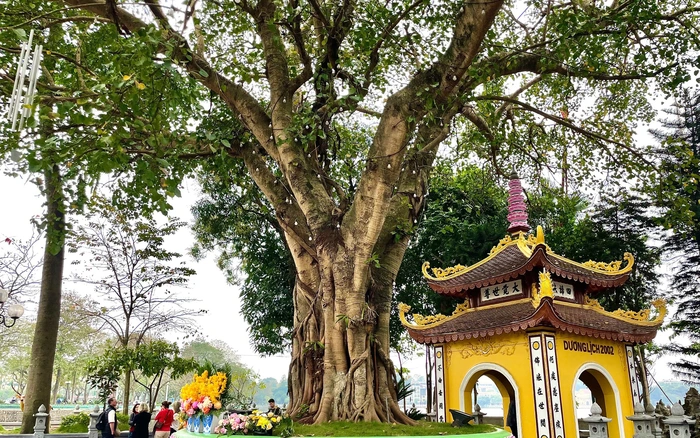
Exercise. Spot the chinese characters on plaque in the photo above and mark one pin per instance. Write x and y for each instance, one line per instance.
(563, 290)
(502, 290)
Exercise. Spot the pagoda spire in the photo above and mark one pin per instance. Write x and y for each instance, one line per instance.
(517, 210)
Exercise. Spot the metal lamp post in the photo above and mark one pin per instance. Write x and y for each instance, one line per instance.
(12, 312)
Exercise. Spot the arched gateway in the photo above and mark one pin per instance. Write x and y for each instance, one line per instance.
(528, 322)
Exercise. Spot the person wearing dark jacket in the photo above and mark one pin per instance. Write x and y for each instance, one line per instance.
(134, 411)
(141, 422)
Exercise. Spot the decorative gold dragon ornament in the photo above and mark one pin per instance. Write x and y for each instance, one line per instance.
(615, 266)
(641, 316)
(420, 320)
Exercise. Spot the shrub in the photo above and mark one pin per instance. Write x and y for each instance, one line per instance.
(415, 414)
(122, 421)
(74, 423)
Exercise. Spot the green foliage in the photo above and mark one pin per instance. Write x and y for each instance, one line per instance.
(285, 428)
(465, 217)
(617, 223)
(15, 431)
(403, 389)
(105, 371)
(677, 195)
(415, 414)
(147, 362)
(74, 423)
(234, 217)
(122, 420)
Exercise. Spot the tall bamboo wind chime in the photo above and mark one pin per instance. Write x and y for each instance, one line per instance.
(25, 83)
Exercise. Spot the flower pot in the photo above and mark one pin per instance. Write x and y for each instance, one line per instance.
(193, 424)
(207, 421)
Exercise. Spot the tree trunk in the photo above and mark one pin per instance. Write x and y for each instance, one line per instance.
(127, 392)
(73, 396)
(85, 392)
(54, 395)
(341, 368)
(641, 366)
(46, 331)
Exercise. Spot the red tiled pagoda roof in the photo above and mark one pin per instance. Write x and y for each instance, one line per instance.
(522, 315)
(518, 257)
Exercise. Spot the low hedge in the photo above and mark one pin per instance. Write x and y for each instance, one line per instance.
(74, 423)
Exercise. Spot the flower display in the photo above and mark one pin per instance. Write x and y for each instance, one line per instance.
(260, 422)
(232, 425)
(203, 395)
(256, 423)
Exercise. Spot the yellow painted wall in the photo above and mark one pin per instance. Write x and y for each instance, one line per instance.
(570, 362)
(508, 351)
(511, 353)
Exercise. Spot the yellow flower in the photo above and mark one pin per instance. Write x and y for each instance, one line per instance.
(126, 77)
(140, 85)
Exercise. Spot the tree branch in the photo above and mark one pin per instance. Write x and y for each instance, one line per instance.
(568, 124)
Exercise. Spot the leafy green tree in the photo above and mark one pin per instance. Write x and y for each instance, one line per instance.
(215, 352)
(604, 230)
(337, 111)
(134, 275)
(78, 135)
(465, 218)
(240, 223)
(676, 192)
(147, 364)
(15, 356)
(78, 340)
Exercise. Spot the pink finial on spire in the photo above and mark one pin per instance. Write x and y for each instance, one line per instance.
(517, 210)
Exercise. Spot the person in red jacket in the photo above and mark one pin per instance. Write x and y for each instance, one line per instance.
(164, 419)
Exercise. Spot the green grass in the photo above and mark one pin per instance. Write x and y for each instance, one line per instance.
(4, 431)
(348, 429)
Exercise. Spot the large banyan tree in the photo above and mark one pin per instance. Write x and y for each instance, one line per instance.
(335, 110)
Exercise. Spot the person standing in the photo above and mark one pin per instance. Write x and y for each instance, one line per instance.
(134, 412)
(164, 419)
(141, 422)
(110, 430)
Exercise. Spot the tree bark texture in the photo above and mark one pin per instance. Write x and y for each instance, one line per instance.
(49, 312)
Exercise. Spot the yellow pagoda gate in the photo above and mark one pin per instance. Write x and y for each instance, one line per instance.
(529, 322)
